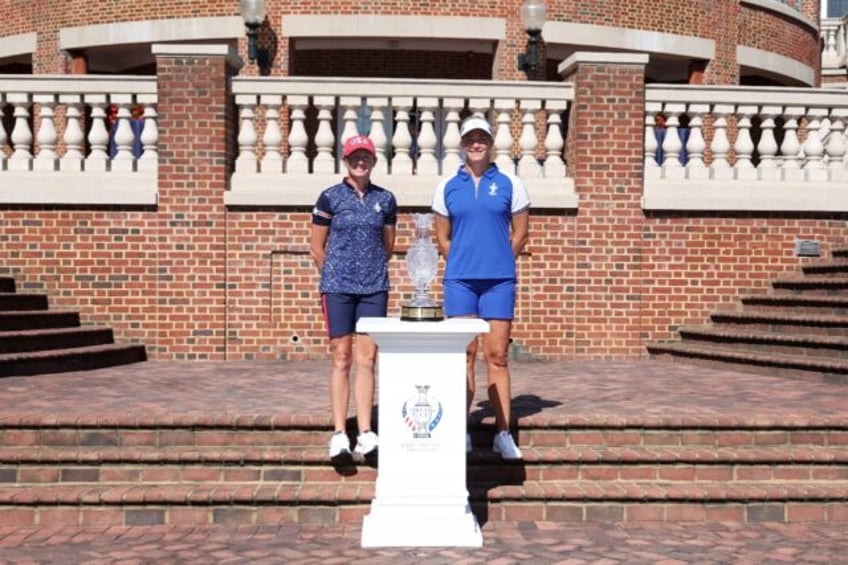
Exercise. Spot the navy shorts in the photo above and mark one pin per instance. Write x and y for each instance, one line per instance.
(342, 311)
(490, 299)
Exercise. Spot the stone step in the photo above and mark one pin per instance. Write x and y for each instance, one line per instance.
(26, 320)
(252, 503)
(812, 284)
(54, 338)
(71, 359)
(773, 364)
(815, 346)
(13, 301)
(798, 303)
(838, 266)
(263, 434)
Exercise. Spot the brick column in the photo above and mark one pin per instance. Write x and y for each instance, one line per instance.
(605, 156)
(196, 125)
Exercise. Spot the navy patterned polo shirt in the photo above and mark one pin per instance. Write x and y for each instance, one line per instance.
(355, 262)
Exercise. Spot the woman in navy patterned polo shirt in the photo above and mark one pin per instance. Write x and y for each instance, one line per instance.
(353, 234)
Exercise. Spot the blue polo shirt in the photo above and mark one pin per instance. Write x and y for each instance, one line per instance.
(356, 261)
(481, 219)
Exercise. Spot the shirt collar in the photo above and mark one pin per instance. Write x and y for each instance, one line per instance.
(488, 173)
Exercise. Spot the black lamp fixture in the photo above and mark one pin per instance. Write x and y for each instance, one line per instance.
(253, 13)
(532, 18)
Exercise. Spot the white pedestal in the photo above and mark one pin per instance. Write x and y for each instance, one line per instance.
(421, 498)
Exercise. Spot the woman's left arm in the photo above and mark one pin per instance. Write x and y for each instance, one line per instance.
(389, 240)
(520, 231)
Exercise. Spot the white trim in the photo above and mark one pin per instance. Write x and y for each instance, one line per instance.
(151, 31)
(626, 39)
(83, 188)
(744, 196)
(601, 58)
(422, 27)
(774, 63)
(21, 44)
(782, 9)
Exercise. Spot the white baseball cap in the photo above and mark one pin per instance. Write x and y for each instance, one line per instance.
(475, 122)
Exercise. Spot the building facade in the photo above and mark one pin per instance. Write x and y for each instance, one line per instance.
(157, 179)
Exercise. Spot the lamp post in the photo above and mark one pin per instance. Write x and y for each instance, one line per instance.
(533, 19)
(253, 13)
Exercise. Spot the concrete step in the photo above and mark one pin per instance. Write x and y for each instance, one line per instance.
(11, 321)
(806, 304)
(837, 266)
(784, 322)
(812, 284)
(807, 346)
(71, 359)
(54, 338)
(13, 301)
(774, 364)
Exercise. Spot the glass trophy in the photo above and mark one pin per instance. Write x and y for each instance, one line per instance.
(421, 261)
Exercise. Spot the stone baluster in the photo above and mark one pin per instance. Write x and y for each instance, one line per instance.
(790, 148)
(503, 134)
(45, 159)
(325, 141)
(720, 168)
(98, 135)
(402, 140)
(246, 162)
(124, 137)
(298, 138)
(528, 164)
(149, 159)
(671, 145)
(377, 134)
(814, 168)
(836, 147)
(744, 146)
(3, 136)
(272, 138)
(451, 139)
(350, 115)
(767, 169)
(554, 165)
(652, 168)
(21, 137)
(696, 145)
(427, 162)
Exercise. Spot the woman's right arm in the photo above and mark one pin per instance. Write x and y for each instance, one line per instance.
(318, 244)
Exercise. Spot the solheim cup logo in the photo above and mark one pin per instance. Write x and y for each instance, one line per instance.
(421, 414)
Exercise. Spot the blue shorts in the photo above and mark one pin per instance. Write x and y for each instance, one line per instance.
(490, 299)
(342, 311)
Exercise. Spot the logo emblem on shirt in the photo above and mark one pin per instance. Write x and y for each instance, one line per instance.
(493, 189)
(377, 207)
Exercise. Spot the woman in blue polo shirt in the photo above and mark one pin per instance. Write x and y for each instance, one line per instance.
(481, 224)
(353, 234)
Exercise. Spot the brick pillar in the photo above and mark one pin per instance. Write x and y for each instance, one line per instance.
(606, 155)
(195, 153)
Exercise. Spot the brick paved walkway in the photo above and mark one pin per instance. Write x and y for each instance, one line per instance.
(617, 391)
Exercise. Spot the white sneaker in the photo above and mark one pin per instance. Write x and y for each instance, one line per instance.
(366, 443)
(468, 443)
(505, 446)
(339, 445)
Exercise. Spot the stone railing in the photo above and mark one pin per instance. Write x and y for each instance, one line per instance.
(290, 131)
(47, 158)
(834, 45)
(745, 148)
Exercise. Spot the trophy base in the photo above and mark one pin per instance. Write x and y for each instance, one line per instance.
(413, 313)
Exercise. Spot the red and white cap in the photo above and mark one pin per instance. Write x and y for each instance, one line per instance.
(358, 142)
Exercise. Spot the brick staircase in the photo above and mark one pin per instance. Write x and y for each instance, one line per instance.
(37, 340)
(799, 329)
(254, 470)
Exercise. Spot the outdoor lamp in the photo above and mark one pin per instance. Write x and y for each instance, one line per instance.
(253, 13)
(532, 18)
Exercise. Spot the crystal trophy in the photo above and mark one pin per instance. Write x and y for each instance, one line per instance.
(421, 261)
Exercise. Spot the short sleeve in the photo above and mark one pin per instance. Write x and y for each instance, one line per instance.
(520, 198)
(439, 206)
(322, 214)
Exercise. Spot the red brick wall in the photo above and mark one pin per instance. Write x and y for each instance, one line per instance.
(728, 22)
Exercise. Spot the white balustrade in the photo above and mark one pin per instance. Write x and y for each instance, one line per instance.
(528, 165)
(47, 138)
(272, 139)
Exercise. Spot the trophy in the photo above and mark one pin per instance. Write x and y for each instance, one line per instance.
(421, 260)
